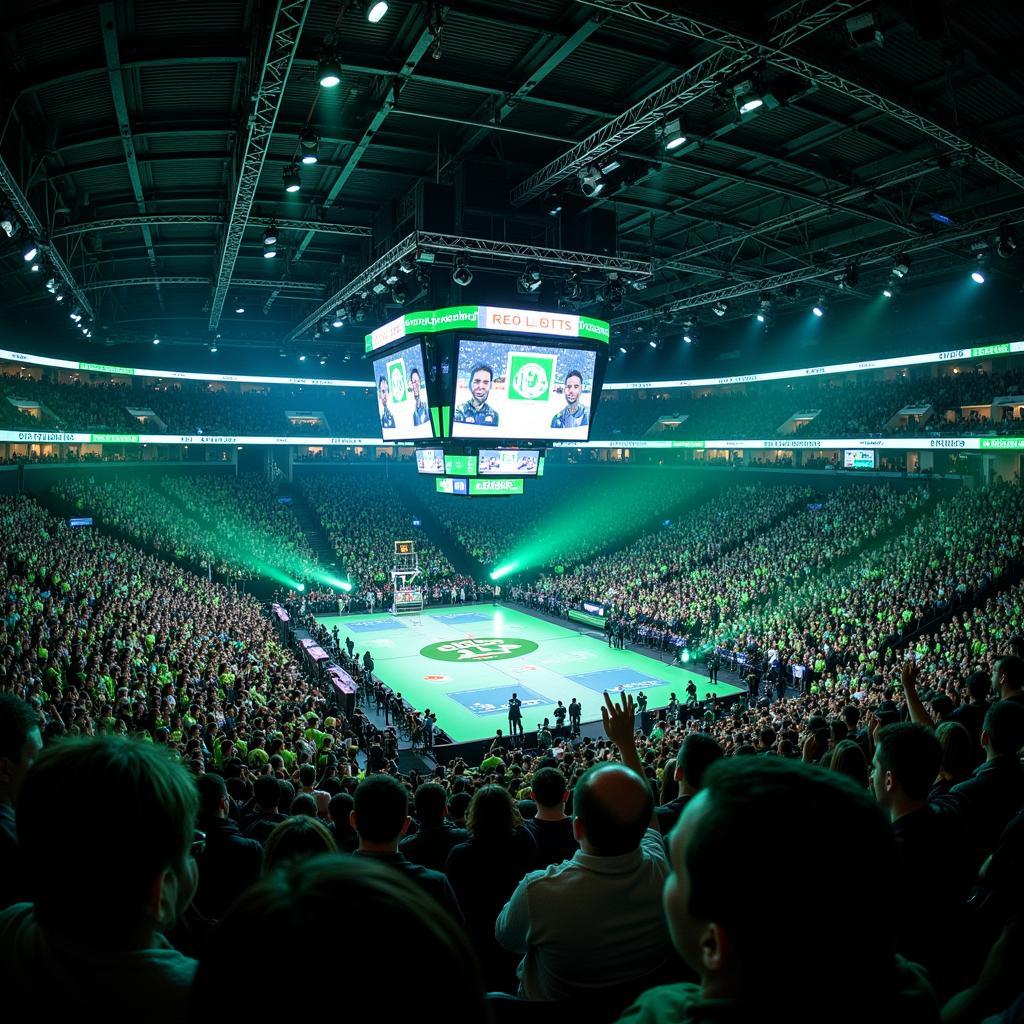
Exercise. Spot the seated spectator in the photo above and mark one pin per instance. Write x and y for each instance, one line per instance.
(697, 753)
(339, 810)
(804, 820)
(551, 827)
(380, 817)
(485, 870)
(264, 817)
(434, 837)
(230, 863)
(992, 796)
(20, 744)
(304, 907)
(848, 759)
(591, 926)
(106, 828)
(932, 890)
(958, 760)
(297, 838)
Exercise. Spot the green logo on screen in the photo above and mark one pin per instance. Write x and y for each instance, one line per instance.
(396, 380)
(530, 377)
(485, 648)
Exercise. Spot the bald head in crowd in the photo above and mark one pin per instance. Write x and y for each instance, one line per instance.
(612, 807)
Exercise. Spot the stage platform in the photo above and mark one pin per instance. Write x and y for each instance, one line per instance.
(464, 662)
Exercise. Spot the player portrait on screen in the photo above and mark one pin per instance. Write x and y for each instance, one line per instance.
(574, 414)
(476, 409)
(420, 412)
(387, 421)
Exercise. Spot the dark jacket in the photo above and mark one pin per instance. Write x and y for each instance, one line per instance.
(431, 882)
(227, 867)
(988, 800)
(431, 846)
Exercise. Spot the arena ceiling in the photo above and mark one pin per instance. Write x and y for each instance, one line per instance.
(146, 147)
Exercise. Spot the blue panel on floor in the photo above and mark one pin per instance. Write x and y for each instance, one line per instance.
(461, 618)
(616, 680)
(379, 626)
(486, 702)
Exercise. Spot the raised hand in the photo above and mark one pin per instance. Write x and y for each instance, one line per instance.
(619, 721)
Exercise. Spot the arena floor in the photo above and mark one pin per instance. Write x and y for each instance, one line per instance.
(464, 662)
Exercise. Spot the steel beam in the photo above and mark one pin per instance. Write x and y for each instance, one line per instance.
(21, 206)
(302, 287)
(863, 258)
(157, 219)
(417, 52)
(775, 53)
(737, 54)
(426, 241)
(108, 27)
(286, 29)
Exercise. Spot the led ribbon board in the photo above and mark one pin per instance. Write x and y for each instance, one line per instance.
(589, 328)
(894, 443)
(490, 318)
(981, 352)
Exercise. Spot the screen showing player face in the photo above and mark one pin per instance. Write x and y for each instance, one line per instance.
(402, 403)
(506, 389)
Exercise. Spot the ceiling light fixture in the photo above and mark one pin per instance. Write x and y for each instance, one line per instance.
(292, 179)
(328, 71)
(461, 274)
(310, 143)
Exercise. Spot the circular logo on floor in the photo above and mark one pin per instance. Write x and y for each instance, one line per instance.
(481, 648)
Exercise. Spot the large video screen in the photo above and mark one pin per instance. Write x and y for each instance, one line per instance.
(402, 403)
(508, 462)
(507, 389)
(430, 460)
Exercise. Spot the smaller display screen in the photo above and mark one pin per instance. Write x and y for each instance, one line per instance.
(430, 460)
(460, 465)
(494, 488)
(452, 485)
(859, 458)
(402, 403)
(508, 462)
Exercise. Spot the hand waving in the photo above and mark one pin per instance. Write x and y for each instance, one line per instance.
(619, 721)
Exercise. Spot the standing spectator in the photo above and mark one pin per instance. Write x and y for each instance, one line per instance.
(594, 924)
(434, 837)
(486, 869)
(230, 863)
(20, 744)
(381, 817)
(697, 753)
(758, 809)
(515, 716)
(551, 828)
(575, 715)
(120, 847)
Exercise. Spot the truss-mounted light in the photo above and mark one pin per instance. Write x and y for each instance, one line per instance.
(673, 136)
(309, 142)
(720, 308)
(461, 274)
(328, 71)
(375, 10)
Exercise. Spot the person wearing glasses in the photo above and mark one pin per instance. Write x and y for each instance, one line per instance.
(111, 874)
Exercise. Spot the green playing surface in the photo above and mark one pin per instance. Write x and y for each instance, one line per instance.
(463, 663)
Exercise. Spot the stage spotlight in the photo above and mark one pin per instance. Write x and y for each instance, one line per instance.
(461, 274)
(329, 71)
(406, 265)
(653, 343)
(672, 136)
(1007, 241)
(820, 308)
(748, 96)
(688, 337)
(553, 204)
(269, 254)
(572, 287)
(864, 30)
(156, 339)
(270, 235)
(977, 277)
(399, 294)
(8, 221)
(764, 307)
(720, 308)
(292, 180)
(901, 266)
(622, 349)
(310, 143)
(239, 308)
(302, 358)
(58, 293)
(30, 251)
(213, 349)
(850, 276)
(375, 10)
(379, 287)
(530, 279)
(590, 181)
(888, 291)
(34, 268)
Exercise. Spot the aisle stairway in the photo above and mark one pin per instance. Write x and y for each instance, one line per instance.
(309, 523)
